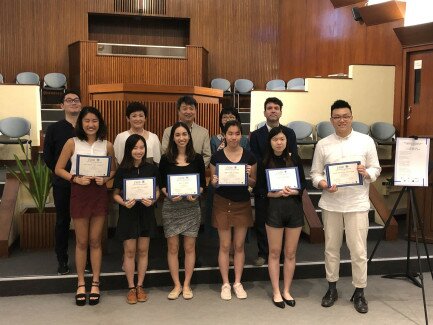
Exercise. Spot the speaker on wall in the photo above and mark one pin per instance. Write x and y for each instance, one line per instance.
(356, 15)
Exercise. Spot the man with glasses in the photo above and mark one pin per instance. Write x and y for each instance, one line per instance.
(345, 208)
(56, 136)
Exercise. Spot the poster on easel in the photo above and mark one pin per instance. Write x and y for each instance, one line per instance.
(411, 162)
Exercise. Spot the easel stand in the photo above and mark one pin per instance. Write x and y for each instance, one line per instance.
(416, 225)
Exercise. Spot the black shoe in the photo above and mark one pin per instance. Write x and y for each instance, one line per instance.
(80, 298)
(63, 268)
(291, 302)
(329, 298)
(279, 304)
(359, 302)
(94, 297)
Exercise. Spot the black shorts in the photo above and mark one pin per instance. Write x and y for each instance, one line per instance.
(285, 213)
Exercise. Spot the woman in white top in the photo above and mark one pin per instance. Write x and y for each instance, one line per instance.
(89, 199)
(136, 115)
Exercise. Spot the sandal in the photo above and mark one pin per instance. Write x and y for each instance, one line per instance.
(94, 297)
(80, 298)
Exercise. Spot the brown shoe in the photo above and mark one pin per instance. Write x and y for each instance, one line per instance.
(131, 297)
(141, 294)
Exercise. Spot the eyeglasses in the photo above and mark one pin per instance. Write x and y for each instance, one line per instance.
(72, 100)
(344, 117)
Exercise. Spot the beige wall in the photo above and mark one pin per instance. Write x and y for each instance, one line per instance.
(369, 90)
(23, 101)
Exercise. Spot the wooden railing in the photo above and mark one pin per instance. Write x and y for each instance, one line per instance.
(147, 7)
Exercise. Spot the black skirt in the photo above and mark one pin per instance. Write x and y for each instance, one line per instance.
(139, 221)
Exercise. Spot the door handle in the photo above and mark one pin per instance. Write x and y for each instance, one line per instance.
(409, 112)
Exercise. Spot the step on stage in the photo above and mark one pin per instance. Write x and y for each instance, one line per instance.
(34, 272)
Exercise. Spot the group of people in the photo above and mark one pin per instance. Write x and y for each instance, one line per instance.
(187, 149)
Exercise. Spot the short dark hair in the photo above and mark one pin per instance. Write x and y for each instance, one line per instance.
(130, 143)
(70, 91)
(274, 100)
(188, 100)
(79, 131)
(269, 160)
(172, 150)
(136, 107)
(228, 110)
(340, 104)
(232, 123)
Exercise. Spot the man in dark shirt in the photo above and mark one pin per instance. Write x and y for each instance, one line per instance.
(258, 142)
(56, 136)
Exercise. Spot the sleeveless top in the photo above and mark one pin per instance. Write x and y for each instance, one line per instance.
(82, 147)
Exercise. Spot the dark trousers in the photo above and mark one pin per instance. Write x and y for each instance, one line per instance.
(62, 195)
(259, 225)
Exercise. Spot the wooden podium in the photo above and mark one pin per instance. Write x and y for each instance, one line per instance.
(112, 99)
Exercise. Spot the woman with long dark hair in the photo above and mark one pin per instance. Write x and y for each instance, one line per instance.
(284, 218)
(232, 208)
(89, 200)
(136, 223)
(181, 215)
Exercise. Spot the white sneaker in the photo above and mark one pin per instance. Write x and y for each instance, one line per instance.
(226, 292)
(239, 291)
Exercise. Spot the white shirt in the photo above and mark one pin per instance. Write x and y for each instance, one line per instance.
(152, 144)
(334, 149)
(82, 147)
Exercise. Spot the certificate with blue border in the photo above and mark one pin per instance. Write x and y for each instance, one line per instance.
(139, 188)
(232, 174)
(183, 184)
(343, 174)
(97, 166)
(280, 178)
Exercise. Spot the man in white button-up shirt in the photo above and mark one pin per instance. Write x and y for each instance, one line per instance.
(345, 209)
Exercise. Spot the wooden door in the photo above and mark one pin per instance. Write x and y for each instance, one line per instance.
(418, 120)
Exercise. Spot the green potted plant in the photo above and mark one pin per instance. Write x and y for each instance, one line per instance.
(37, 224)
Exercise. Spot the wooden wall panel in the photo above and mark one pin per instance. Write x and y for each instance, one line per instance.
(96, 69)
(317, 39)
(160, 116)
(240, 35)
(35, 34)
(137, 30)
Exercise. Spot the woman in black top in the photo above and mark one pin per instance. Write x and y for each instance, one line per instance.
(136, 222)
(284, 217)
(181, 215)
(232, 208)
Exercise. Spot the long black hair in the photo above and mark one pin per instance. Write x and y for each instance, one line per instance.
(269, 161)
(173, 151)
(79, 131)
(130, 143)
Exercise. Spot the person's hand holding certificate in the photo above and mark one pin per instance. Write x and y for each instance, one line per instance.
(139, 188)
(183, 185)
(282, 178)
(232, 174)
(95, 166)
(343, 174)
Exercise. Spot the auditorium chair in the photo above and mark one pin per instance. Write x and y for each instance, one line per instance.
(222, 84)
(54, 82)
(296, 82)
(360, 127)
(383, 133)
(242, 87)
(303, 131)
(28, 78)
(324, 128)
(12, 129)
(276, 84)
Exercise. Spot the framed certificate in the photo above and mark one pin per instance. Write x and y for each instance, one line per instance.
(279, 178)
(343, 174)
(232, 174)
(99, 166)
(183, 184)
(139, 188)
(411, 162)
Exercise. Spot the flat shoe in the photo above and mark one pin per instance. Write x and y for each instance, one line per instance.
(279, 304)
(290, 302)
(174, 294)
(187, 294)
